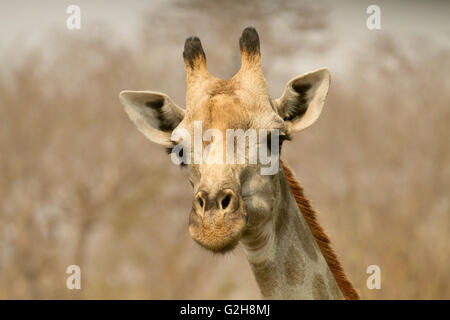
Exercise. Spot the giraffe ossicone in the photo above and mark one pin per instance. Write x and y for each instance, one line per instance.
(233, 202)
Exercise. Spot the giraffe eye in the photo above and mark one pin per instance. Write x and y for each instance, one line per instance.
(179, 154)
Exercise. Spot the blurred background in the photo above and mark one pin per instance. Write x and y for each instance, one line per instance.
(80, 185)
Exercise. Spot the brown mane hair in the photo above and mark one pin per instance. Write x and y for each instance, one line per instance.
(322, 239)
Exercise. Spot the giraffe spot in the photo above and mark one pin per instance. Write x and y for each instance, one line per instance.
(319, 288)
(294, 267)
(332, 284)
(265, 274)
(281, 224)
(306, 238)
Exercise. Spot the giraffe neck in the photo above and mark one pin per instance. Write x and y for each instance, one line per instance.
(286, 261)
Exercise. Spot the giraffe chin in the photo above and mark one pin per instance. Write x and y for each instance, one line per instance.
(217, 236)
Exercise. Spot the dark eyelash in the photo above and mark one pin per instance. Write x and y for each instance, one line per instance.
(285, 137)
(281, 138)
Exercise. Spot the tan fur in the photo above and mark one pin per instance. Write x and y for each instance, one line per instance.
(288, 251)
(321, 238)
(293, 249)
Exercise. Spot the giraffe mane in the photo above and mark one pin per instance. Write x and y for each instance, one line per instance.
(322, 239)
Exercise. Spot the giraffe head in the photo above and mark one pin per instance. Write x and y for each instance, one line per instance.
(230, 195)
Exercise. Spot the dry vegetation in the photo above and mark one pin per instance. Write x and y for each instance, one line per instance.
(79, 185)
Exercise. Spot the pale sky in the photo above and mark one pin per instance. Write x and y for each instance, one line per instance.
(24, 22)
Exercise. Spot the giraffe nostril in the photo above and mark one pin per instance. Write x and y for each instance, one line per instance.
(225, 202)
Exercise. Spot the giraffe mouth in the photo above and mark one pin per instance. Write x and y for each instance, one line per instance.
(217, 234)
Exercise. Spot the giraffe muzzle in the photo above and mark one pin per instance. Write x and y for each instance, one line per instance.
(217, 220)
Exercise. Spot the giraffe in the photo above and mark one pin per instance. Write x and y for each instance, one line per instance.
(288, 251)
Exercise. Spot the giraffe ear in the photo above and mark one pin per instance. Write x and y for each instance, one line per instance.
(303, 99)
(153, 113)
